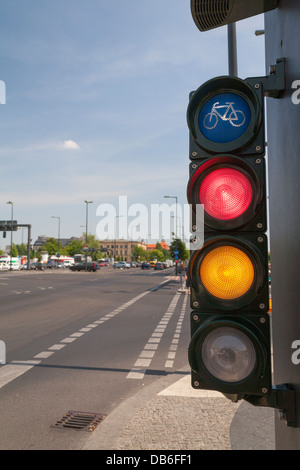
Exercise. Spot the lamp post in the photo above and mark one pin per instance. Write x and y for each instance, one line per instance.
(86, 229)
(58, 239)
(11, 232)
(174, 197)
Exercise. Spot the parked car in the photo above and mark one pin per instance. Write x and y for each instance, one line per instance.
(159, 266)
(37, 266)
(145, 265)
(50, 265)
(133, 264)
(90, 266)
(121, 265)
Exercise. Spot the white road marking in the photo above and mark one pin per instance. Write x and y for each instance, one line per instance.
(14, 369)
(183, 388)
(136, 372)
(173, 347)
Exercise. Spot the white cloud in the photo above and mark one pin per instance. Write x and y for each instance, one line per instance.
(70, 145)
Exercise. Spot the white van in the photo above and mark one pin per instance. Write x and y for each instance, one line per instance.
(5, 264)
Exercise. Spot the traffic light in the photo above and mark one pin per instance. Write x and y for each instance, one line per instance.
(230, 327)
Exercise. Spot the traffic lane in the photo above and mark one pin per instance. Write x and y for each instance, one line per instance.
(89, 374)
(35, 282)
(25, 318)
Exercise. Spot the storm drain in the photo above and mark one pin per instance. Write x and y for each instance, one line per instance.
(80, 421)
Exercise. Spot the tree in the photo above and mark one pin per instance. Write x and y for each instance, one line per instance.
(74, 247)
(156, 254)
(139, 253)
(178, 245)
(51, 246)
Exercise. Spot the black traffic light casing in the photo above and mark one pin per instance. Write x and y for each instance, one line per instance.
(257, 329)
(228, 272)
(204, 120)
(252, 219)
(256, 297)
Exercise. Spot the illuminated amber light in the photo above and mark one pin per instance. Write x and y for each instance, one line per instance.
(227, 272)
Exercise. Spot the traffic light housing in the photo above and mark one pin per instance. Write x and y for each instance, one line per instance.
(230, 328)
(231, 356)
(226, 115)
(208, 14)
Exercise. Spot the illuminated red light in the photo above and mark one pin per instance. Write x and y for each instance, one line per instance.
(226, 193)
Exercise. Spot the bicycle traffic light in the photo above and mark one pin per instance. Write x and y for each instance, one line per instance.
(230, 328)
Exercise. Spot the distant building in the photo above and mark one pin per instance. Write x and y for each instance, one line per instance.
(163, 244)
(41, 240)
(120, 248)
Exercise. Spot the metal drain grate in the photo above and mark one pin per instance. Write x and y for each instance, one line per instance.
(80, 421)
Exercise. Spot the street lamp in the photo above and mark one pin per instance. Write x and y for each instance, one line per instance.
(86, 230)
(174, 197)
(11, 233)
(58, 240)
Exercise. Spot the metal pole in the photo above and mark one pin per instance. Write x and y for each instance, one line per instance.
(11, 233)
(232, 51)
(86, 231)
(28, 247)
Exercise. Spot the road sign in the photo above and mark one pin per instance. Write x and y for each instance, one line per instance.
(8, 225)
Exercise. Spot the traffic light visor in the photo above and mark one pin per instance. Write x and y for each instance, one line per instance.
(225, 114)
(231, 356)
(228, 274)
(230, 190)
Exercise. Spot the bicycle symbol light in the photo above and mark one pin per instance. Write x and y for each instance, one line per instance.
(224, 118)
(224, 113)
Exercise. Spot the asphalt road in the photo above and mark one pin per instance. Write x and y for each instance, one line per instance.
(83, 342)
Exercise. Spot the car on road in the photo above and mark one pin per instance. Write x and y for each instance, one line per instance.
(103, 263)
(90, 266)
(37, 266)
(50, 265)
(159, 266)
(145, 265)
(121, 265)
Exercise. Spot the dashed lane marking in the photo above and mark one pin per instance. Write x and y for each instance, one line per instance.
(173, 347)
(14, 369)
(144, 360)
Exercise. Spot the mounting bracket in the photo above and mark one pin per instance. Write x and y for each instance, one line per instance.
(274, 83)
(282, 398)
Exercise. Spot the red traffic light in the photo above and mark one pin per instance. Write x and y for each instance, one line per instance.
(231, 192)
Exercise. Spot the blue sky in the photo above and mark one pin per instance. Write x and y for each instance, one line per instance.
(96, 99)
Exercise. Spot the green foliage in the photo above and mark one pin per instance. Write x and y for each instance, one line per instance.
(178, 245)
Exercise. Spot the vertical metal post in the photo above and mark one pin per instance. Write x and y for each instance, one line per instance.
(28, 247)
(232, 51)
(282, 40)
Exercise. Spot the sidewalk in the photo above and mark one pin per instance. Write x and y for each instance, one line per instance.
(171, 415)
